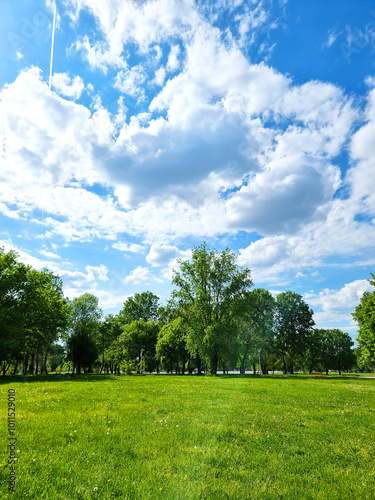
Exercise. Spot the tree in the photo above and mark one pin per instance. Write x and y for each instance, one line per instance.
(293, 325)
(141, 306)
(364, 315)
(257, 328)
(108, 345)
(13, 278)
(138, 341)
(343, 355)
(332, 349)
(318, 353)
(171, 348)
(83, 329)
(33, 312)
(45, 313)
(211, 292)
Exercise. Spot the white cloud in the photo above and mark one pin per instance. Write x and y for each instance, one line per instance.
(132, 247)
(97, 273)
(347, 298)
(361, 176)
(335, 307)
(163, 255)
(67, 86)
(99, 55)
(173, 62)
(131, 81)
(332, 37)
(49, 255)
(141, 275)
(159, 76)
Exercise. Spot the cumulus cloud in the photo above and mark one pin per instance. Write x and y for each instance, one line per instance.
(67, 86)
(162, 255)
(141, 275)
(130, 81)
(346, 298)
(97, 273)
(126, 247)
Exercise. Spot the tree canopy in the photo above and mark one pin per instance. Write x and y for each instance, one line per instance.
(365, 317)
(211, 292)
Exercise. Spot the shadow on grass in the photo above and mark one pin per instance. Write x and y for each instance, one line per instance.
(94, 377)
(91, 377)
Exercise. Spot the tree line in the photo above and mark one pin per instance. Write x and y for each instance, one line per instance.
(214, 320)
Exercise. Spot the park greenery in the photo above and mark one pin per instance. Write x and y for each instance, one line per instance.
(214, 320)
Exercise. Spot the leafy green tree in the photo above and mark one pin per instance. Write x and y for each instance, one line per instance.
(342, 348)
(108, 345)
(83, 329)
(362, 360)
(210, 293)
(141, 306)
(33, 313)
(256, 331)
(171, 348)
(139, 343)
(317, 353)
(13, 279)
(56, 356)
(45, 313)
(364, 315)
(293, 326)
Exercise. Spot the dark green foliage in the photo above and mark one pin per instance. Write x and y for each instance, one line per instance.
(171, 348)
(256, 332)
(138, 342)
(293, 325)
(83, 330)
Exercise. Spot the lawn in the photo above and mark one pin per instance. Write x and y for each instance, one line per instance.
(190, 437)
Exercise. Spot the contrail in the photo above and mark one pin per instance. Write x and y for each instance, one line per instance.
(53, 41)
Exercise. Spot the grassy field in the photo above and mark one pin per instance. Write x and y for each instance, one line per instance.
(174, 437)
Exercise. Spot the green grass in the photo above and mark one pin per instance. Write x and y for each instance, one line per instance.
(174, 437)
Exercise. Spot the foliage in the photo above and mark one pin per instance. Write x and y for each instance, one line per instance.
(293, 325)
(142, 306)
(211, 292)
(33, 312)
(332, 348)
(83, 330)
(171, 348)
(138, 341)
(111, 353)
(256, 333)
(365, 317)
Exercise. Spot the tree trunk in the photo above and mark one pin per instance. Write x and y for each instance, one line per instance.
(242, 366)
(44, 367)
(291, 365)
(214, 362)
(31, 365)
(5, 367)
(24, 364)
(37, 362)
(199, 366)
(15, 367)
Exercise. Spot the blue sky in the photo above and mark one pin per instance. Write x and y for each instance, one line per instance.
(247, 124)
